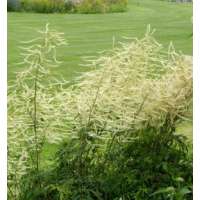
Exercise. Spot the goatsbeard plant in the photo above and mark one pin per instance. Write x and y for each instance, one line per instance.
(138, 86)
(33, 107)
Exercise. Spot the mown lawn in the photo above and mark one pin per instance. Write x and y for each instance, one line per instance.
(89, 34)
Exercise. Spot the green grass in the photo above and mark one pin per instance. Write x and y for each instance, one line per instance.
(89, 34)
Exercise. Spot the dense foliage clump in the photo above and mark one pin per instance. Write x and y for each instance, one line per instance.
(101, 6)
(117, 122)
(13, 5)
(71, 6)
(43, 6)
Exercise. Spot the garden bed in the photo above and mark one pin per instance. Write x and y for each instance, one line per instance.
(68, 6)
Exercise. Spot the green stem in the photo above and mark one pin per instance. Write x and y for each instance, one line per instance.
(35, 119)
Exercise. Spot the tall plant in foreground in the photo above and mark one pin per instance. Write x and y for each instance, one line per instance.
(120, 119)
(137, 85)
(123, 117)
(32, 105)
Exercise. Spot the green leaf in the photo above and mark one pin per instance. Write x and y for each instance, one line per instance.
(164, 190)
(183, 191)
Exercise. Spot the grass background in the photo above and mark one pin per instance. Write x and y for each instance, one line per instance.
(88, 34)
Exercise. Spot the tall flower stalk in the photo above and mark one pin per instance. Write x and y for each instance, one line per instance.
(32, 100)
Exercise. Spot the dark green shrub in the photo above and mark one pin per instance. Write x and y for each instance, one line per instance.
(101, 6)
(13, 5)
(69, 6)
(84, 6)
(155, 165)
(118, 5)
(132, 170)
(92, 6)
(44, 6)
